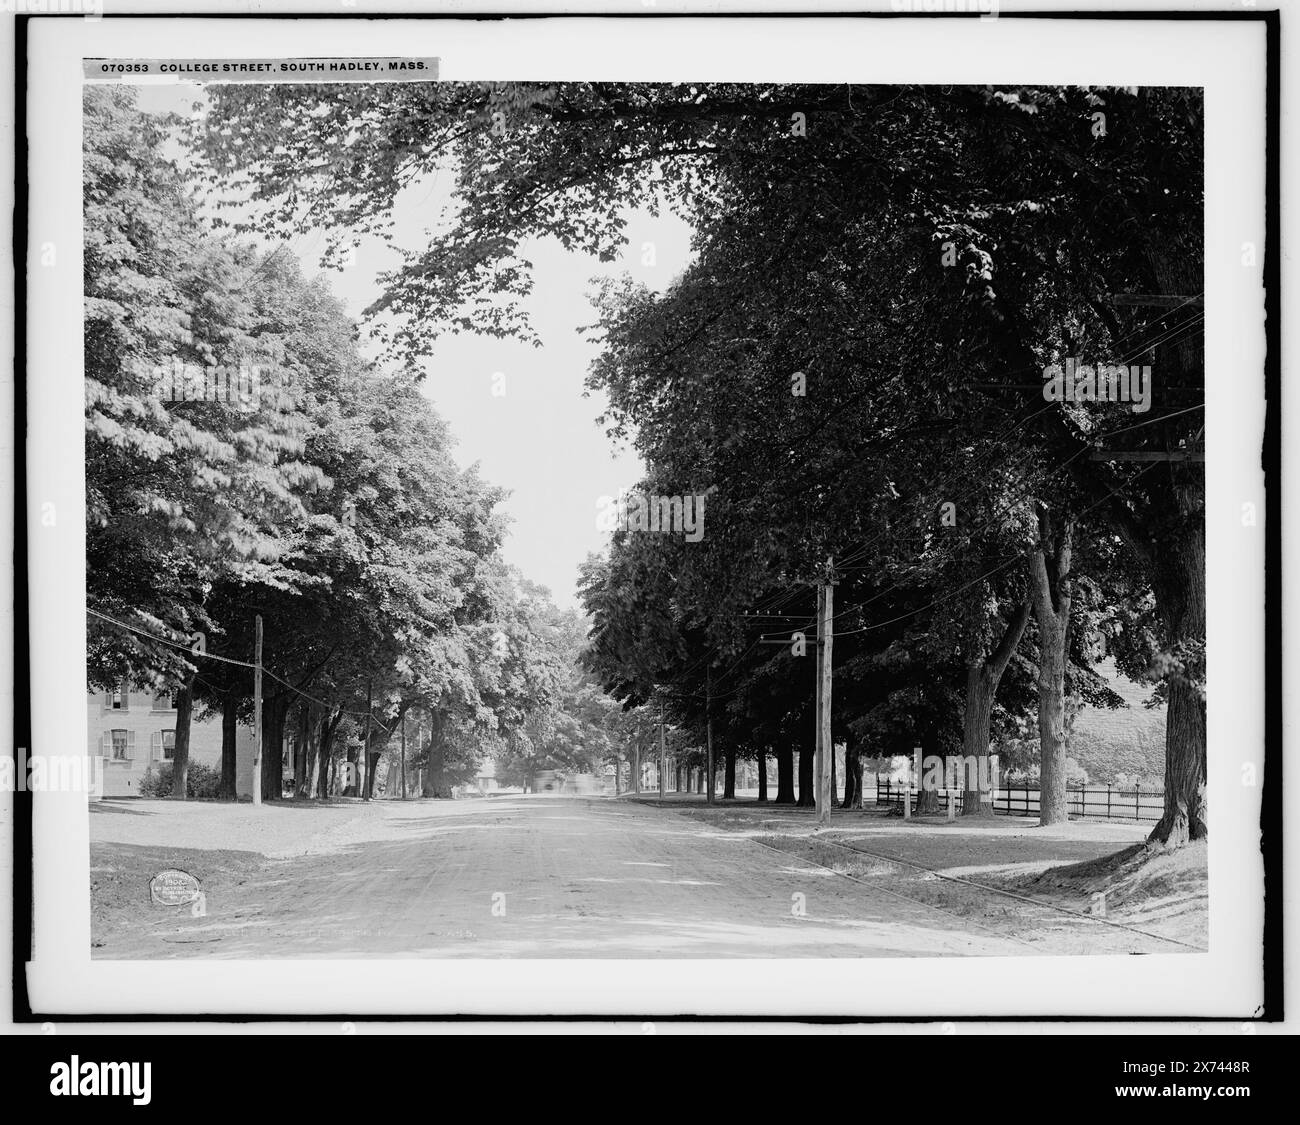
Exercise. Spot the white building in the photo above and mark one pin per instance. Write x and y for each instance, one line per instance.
(131, 729)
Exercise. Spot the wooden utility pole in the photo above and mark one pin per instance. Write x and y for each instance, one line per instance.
(662, 773)
(708, 731)
(403, 755)
(636, 767)
(825, 747)
(257, 710)
(365, 752)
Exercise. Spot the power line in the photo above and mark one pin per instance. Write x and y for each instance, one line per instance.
(1169, 335)
(861, 551)
(993, 446)
(1001, 566)
(1020, 499)
(951, 594)
(186, 646)
(1073, 457)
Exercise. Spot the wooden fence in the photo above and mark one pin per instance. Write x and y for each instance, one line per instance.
(1093, 802)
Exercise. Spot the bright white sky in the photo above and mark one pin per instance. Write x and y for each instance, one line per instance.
(539, 439)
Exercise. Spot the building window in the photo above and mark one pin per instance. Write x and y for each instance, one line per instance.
(168, 745)
(121, 746)
(164, 702)
(117, 698)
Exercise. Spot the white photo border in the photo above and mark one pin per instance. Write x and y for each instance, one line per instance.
(1225, 58)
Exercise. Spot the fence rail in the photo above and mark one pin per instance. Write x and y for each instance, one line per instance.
(1093, 803)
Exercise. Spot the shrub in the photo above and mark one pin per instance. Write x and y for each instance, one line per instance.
(201, 781)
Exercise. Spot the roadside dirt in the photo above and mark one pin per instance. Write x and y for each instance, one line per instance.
(1056, 873)
(564, 877)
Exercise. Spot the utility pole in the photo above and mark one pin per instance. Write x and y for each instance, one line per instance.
(661, 748)
(826, 748)
(257, 710)
(636, 766)
(364, 791)
(708, 731)
(823, 747)
(403, 755)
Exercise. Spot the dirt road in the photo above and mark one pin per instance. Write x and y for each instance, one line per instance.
(515, 877)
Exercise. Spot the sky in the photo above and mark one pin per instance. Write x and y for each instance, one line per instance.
(537, 436)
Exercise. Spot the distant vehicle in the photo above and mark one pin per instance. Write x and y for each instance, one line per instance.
(547, 781)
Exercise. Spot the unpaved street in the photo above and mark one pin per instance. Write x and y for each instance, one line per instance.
(512, 877)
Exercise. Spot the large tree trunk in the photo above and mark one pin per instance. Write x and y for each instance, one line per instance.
(435, 783)
(1051, 594)
(784, 773)
(850, 779)
(229, 745)
(927, 797)
(372, 762)
(181, 754)
(300, 751)
(307, 787)
(982, 678)
(762, 772)
(729, 773)
(433, 773)
(981, 686)
(1183, 613)
(1172, 557)
(806, 798)
(324, 754)
(853, 767)
(274, 712)
(379, 740)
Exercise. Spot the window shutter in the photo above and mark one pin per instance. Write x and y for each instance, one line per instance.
(106, 745)
(155, 745)
(130, 745)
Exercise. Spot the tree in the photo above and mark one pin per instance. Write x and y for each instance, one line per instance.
(192, 464)
(1051, 594)
(900, 208)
